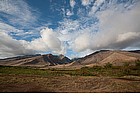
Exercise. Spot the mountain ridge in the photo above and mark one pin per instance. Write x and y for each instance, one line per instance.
(116, 57)
(36, 60)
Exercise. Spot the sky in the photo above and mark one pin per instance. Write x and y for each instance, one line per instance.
(74, 28)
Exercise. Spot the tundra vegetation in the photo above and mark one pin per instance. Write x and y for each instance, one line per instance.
(125, 78)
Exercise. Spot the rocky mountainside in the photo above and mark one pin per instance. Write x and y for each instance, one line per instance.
(116, 57)
(36, 60)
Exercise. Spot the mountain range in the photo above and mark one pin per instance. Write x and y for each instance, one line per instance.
(36, 60)
(115, 57)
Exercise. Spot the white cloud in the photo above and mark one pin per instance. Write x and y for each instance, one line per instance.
(47, 42)
(24, 34)
(82, 42)
(51, 39)
(100, 25)
(128, 36)
(117, 27)
(98, 2)
(18, 19)
(72, 3)
(85, 2)
(96, 6)
(69, 13)
(7, 28)
(17, 12)
(11, 47)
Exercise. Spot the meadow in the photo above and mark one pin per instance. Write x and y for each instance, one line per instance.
(107, 78)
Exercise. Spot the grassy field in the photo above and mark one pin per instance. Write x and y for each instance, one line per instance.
(106, 78)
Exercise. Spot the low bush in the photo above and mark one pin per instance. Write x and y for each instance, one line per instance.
(108, 65)
(137, 64)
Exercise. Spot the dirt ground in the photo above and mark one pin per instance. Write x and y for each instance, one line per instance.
(68, 84)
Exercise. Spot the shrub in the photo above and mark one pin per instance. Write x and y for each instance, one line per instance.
(137, 64)
(86, 71)
(126, 64)
(108, 65)
(97, 68)
(127, 72)
(84, 68)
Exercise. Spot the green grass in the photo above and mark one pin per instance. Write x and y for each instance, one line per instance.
(107, 70)
(25, 71)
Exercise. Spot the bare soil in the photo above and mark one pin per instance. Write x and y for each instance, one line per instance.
(68, 84)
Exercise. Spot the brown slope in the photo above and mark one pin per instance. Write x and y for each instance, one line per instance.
(35, 61)
(103, 57)
(93, 58)
(117, 58)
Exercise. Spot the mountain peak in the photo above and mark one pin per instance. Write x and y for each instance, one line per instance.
(115, 57)
(36, 60)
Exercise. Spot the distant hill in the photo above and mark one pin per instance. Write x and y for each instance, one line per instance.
(116, 57)
(36, 60)
(135, 51)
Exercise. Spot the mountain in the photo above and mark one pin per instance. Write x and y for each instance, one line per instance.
(115, 57)
(36, 60)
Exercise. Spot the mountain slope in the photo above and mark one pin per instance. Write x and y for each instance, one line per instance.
(36, 60)
(106, 56)
(102, 57)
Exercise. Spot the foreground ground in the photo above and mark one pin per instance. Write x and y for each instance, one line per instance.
(13, 83)
(97, 79)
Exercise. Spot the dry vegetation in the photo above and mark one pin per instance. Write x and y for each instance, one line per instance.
(107, 78)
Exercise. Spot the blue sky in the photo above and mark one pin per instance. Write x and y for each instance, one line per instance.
(71, 27)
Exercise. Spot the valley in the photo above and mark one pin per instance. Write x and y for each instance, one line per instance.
(103, 71)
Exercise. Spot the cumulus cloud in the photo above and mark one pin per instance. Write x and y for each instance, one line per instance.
(47, 42)
(128, 36)
(82, 42)
(99, 24)
(51, 39)
(115, 27)
(11, 47)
